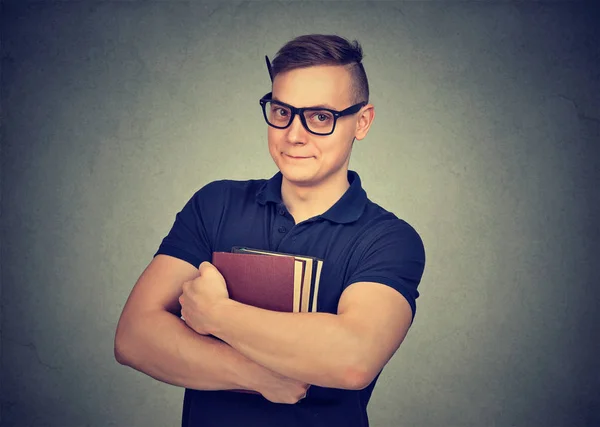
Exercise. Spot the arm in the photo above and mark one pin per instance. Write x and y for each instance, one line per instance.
(346, 350)
(151, 338)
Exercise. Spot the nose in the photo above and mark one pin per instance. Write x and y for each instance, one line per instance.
(296, 134)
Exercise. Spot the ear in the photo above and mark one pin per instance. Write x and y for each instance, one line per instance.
(364, 120)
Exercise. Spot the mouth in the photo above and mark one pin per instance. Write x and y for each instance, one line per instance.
(297, 157)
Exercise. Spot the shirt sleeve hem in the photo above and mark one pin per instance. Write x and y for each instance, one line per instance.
(179, 253)
(394, 285)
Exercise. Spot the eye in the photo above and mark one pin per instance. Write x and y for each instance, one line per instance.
(279, 111)
(321, 117)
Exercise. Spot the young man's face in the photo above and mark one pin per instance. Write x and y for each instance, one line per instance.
(302, 157)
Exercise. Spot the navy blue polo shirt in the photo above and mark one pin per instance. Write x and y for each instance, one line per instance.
(358, 241)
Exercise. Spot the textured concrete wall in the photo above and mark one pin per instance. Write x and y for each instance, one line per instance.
(486, 140)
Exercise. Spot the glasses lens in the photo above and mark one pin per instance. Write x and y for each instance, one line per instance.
(277, 114)
(319, 121)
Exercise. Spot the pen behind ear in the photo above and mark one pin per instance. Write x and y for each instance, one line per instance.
(269, 68)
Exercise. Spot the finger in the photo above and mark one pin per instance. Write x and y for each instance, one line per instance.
(205, 267)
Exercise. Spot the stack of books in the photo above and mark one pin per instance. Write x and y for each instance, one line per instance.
(270, 280)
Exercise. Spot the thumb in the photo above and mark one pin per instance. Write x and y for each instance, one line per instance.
(204, 267)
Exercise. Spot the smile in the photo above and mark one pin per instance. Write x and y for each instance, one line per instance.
(296, 158)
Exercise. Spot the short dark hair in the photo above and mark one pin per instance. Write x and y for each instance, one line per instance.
(322, 49)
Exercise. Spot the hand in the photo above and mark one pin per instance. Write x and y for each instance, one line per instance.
(201, 297)
(280, 389)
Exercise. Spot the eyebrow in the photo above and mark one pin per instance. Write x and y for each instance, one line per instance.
(327, 106)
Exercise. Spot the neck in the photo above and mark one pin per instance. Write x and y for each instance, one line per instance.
(305, 202)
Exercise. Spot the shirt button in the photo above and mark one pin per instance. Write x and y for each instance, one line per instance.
(282, 229)
(281, 211)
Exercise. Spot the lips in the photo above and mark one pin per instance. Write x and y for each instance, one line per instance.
(298, 157)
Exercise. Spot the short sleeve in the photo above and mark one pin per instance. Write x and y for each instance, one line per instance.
(188, 238)
(394, 255)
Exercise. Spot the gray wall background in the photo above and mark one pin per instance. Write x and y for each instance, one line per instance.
(485, 140)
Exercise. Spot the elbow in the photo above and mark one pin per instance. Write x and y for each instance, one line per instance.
(356, 377)
(357, 369)
(121, 352)
(357, 373)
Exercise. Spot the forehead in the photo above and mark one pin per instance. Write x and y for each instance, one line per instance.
(321, 85)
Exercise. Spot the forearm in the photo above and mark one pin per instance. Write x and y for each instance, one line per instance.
(317, 348)
(162, 346)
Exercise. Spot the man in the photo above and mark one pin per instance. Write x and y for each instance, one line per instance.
(308, 369)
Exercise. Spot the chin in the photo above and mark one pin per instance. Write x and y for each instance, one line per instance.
(296, 175)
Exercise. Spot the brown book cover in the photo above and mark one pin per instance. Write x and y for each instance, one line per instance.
(311, 275)
(302, 300)
(271, 283)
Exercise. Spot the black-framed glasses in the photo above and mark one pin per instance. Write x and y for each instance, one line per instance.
(316, 120)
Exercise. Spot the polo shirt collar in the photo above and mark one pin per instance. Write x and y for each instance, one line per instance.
(347, 209)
